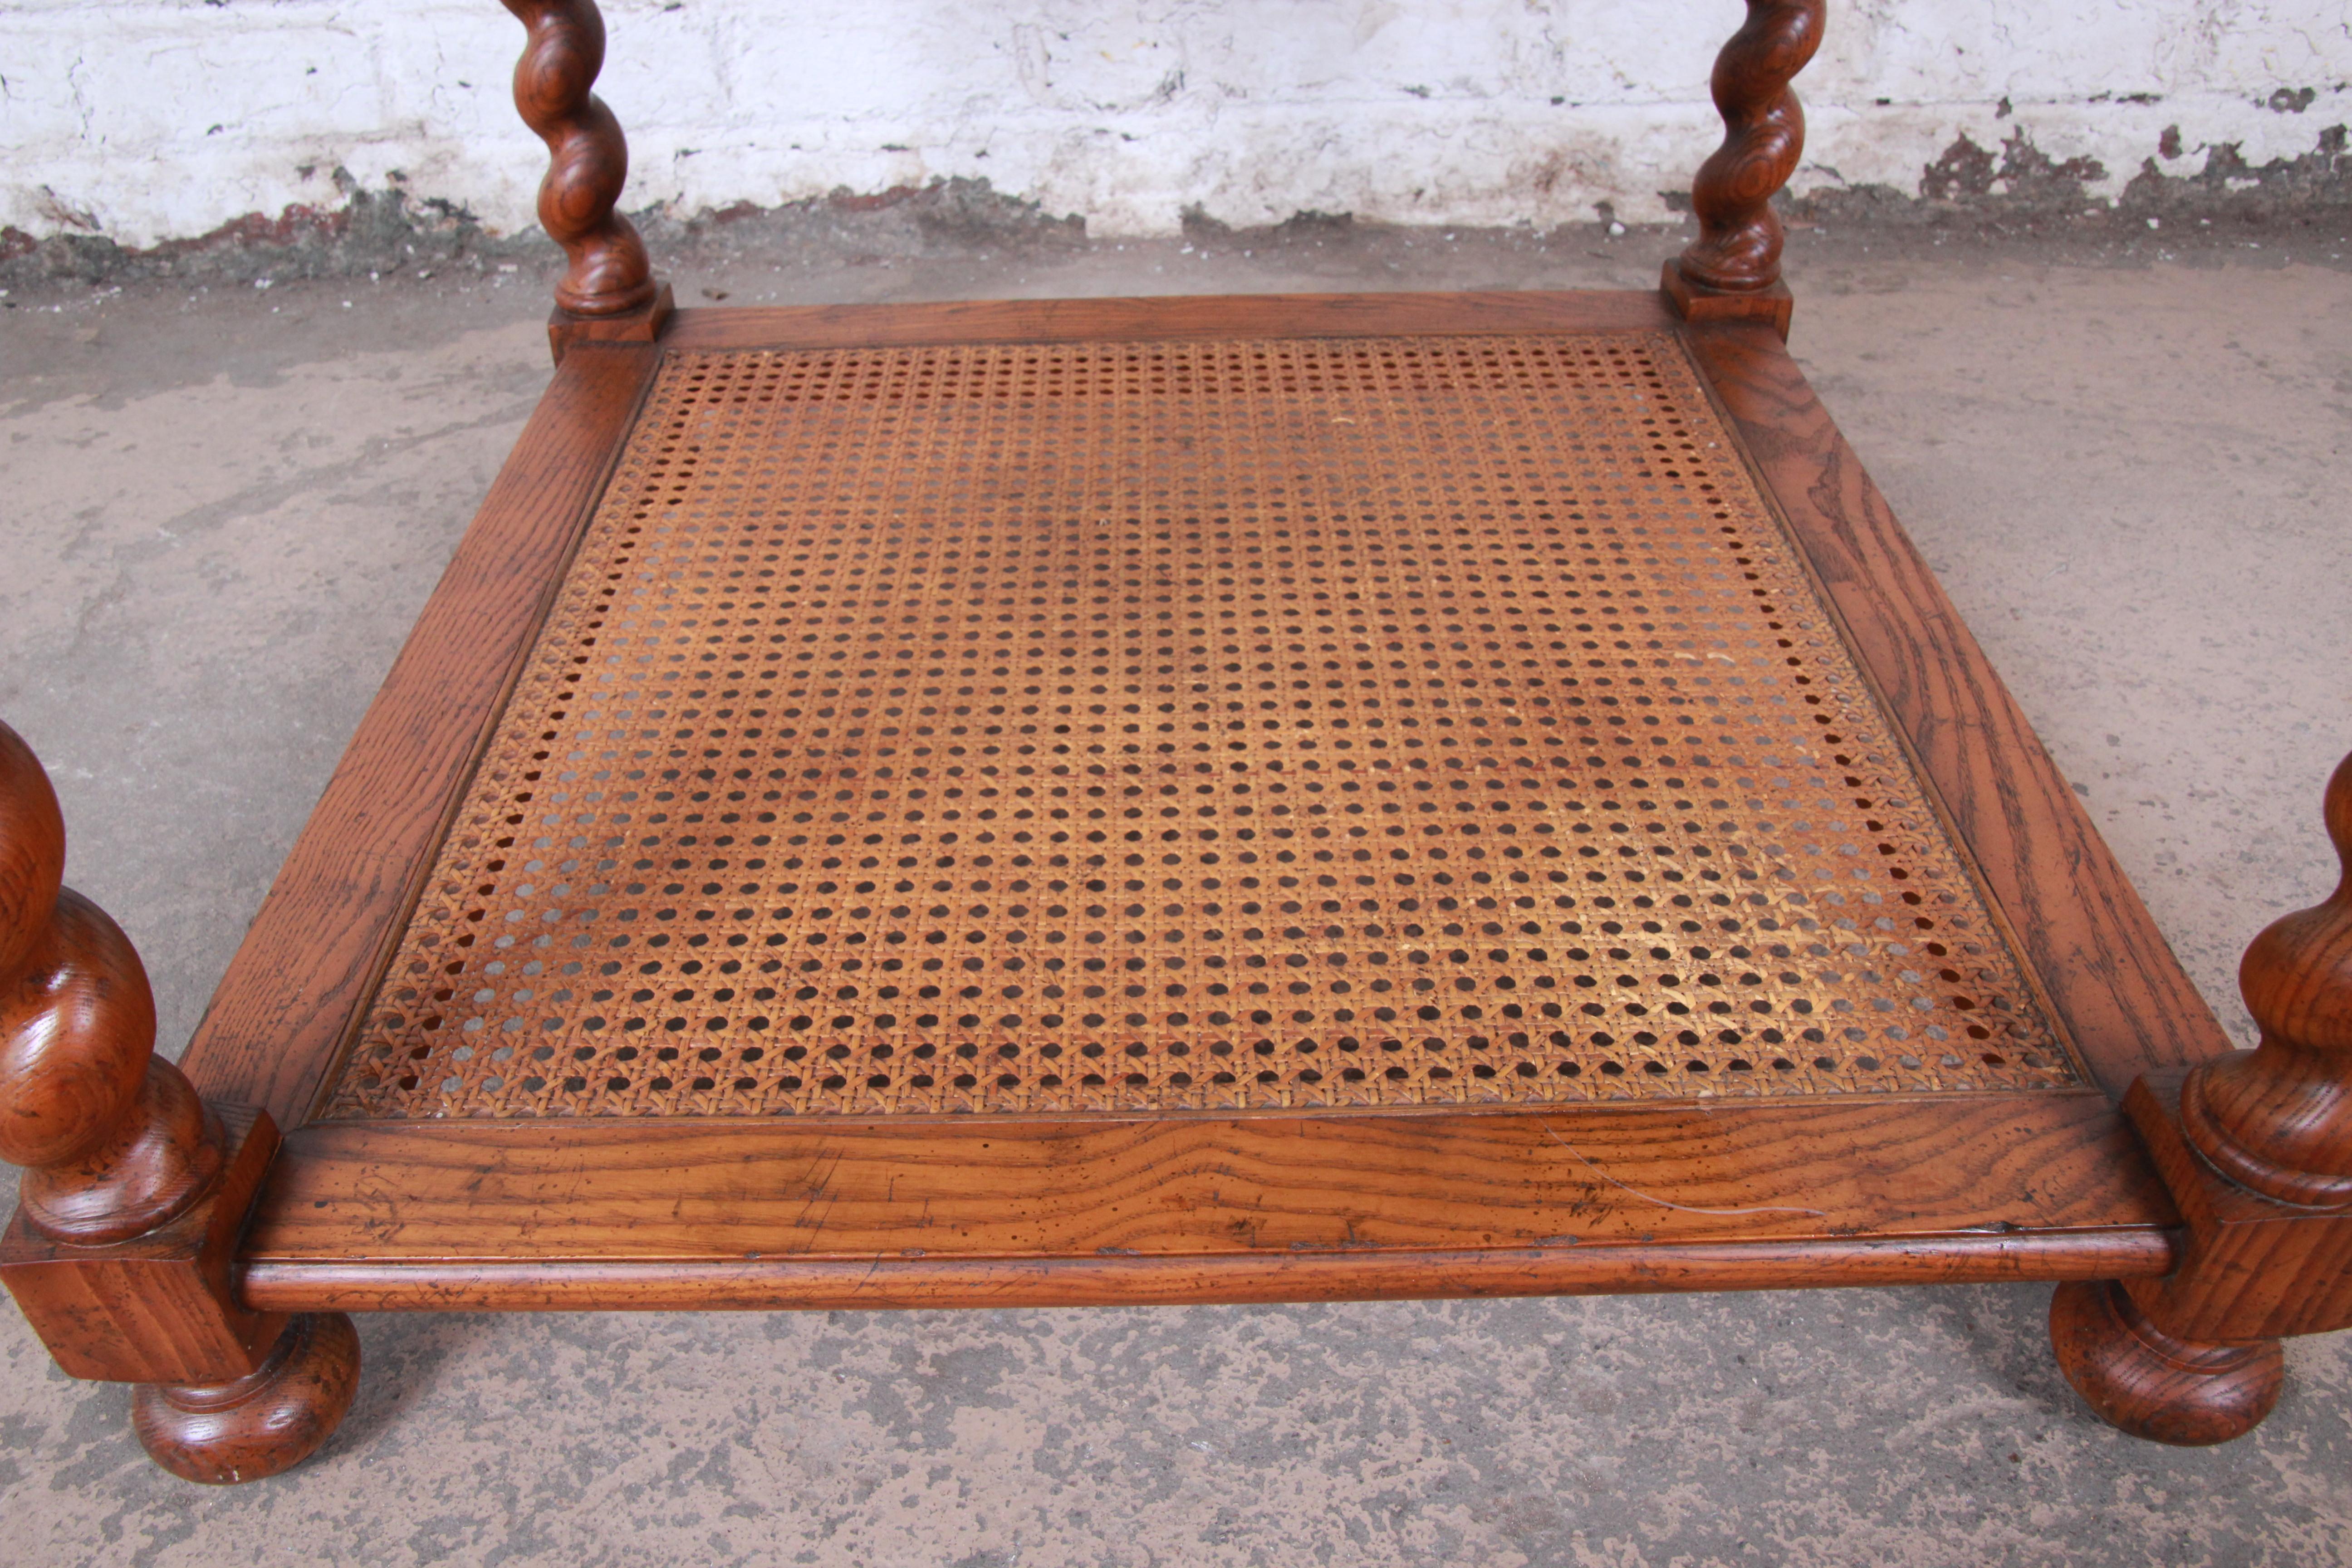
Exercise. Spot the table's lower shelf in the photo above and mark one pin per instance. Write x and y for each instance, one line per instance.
(1188, 800)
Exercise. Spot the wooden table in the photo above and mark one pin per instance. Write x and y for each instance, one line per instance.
(1171, 800)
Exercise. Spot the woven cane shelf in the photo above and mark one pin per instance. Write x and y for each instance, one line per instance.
(1195, 725)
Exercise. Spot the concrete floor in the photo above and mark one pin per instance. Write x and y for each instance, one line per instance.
(219, 513)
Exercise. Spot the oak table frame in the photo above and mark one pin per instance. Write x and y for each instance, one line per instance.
(2196, 1204)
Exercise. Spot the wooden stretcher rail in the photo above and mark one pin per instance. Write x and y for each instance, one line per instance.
(313, 952)
(1263, 1207)
(2078, 919)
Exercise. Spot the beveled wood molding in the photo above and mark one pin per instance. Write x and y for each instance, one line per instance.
(2088, 935)
(2053, 1173)
(322, 936)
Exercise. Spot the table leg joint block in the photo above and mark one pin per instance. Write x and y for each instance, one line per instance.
(161, 1306)
(642, 325)
(1700, 305)
(2252, 1268)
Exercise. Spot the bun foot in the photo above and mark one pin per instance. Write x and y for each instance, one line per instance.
(2152, 1385)
(271, 1419)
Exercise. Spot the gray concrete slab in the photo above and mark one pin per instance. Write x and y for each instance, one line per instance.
(219, 513)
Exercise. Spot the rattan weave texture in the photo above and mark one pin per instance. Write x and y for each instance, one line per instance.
(1188, 726)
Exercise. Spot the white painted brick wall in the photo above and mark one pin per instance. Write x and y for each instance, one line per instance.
(157, 119)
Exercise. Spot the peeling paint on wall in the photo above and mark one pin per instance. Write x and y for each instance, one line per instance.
(2021, 181)
(146, 122)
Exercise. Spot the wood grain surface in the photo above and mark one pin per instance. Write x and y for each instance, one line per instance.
(2153, 1385)
(2278, 1120)
(314, 950)
(2257, 1151)
(587, 158)
(157, 1308)
(2042, 1185)
(262, 1424)
(2251, 1266)
(2079, 923)
(113, 1142)
(1739, 247)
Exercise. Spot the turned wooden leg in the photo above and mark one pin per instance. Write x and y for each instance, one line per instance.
(271, 1419)
(123, 1247)
(1732, 270)
(2152, 1385)
(608, 291)
(2257, 1151)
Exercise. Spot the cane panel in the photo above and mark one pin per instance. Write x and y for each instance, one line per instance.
(1189, 726)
